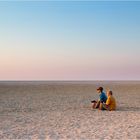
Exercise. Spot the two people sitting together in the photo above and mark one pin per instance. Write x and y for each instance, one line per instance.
(104, 102)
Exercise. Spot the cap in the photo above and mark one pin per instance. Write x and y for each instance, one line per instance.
(100, 88)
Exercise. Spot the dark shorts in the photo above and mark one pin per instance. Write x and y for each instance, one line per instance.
(103, 106)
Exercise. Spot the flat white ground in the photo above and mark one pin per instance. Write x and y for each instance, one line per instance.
(62, 110)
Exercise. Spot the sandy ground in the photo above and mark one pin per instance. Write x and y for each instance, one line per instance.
(62, 110)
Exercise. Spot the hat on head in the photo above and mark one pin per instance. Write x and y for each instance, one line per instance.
(100, 88)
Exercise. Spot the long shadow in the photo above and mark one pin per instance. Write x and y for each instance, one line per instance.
(119, 108)
(125, 108)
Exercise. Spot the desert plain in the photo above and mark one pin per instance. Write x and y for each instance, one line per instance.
(55, 110)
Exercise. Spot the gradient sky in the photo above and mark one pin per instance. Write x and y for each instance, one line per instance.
(55, 40)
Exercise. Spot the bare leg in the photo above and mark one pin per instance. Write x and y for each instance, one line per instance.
(94, 105)
(97, 104)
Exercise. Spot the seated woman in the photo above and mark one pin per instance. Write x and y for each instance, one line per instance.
(102, 99)
(110, 103)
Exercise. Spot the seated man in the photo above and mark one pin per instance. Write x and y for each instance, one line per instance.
(110, 103)
(102, 99)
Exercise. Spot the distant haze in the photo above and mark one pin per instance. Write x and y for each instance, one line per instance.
(78, 40)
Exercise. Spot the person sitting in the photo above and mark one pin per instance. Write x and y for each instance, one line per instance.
(102, 99)
(110, 103)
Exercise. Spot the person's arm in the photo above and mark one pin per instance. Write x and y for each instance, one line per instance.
(101, 98)
(108, 101)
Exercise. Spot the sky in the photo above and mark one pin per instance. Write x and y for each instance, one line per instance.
(70, 40)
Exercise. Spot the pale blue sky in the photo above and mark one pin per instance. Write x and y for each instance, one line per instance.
(70, 40)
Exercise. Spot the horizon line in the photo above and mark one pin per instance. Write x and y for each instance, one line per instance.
(69, 80)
